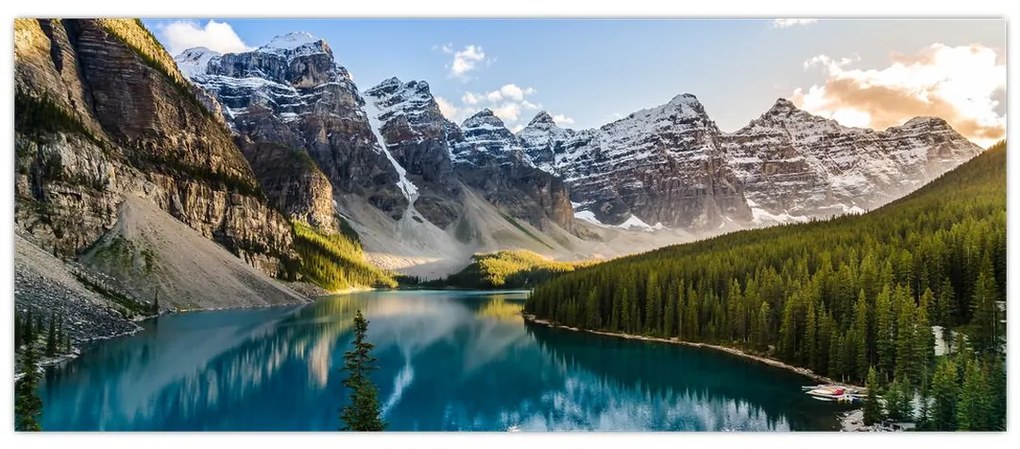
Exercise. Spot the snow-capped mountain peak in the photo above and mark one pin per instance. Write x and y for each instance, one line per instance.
(195, 61)
(484, 119)
(542, 119)
(291, 41)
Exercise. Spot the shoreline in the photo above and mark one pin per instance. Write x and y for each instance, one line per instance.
(675, 341)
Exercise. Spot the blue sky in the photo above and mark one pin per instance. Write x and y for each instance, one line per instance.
(591, 72)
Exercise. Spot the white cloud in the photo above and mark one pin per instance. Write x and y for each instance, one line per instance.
(959, 84)
(517, 128)
(464, 61)
(786, 23)
(448, 109)
(470, 98)
(184, 34)
(561, 120)
(508, 112)
(510, 102)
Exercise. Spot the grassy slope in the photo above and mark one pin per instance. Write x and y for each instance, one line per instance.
(336, 261)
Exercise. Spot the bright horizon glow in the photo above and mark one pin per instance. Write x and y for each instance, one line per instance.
(587, 73)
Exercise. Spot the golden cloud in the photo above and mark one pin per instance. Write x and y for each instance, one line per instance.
(957, 84)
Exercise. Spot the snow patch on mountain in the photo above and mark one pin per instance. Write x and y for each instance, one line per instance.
(290, 41)
(195, 61)
(635, 223)
(406, 186)
(588, 216)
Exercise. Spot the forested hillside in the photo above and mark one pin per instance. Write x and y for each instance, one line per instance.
(509, 269)
(336, 261)
(838, 296)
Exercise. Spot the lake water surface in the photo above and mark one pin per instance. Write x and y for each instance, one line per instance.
(448, 360)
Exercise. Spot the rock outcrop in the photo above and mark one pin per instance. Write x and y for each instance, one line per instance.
(490, 159)
(661, 165)
(291, 94)
(672, 165)
(795, 165)
(102, 111)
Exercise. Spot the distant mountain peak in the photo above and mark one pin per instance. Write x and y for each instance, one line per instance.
(783, 104)
(542, 118)
(484, 118)
(925, 121)
(194, 61)
(291, 40)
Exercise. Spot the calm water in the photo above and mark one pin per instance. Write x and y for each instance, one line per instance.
(447, 361)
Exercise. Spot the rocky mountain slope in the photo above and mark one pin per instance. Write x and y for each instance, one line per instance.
(666, 168)
(110, 130)
(672, 165)
(102, 115)
(412, 184)
(661, 165)
(795, 165)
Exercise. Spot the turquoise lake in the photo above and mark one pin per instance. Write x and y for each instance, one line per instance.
(447, 361)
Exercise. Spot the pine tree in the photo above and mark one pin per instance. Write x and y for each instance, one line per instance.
(944, 396)
(51, 337)
(614, 319)
(872, 408)
(625, 308)
(811, 337)
(905, 367)
(861, 332)
(653, 306)
(762, 336)
(974, 408)
(593, 315)
(924, 339)
(669, 314)
(897, 402)
(924, 413)
(27, 405)
(997, 380)
(835, 356)
(885, 345)
(362, 413)
(985, 336)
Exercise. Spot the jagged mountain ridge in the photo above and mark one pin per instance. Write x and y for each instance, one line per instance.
(666, 167)
(279, 100)
(787, 165)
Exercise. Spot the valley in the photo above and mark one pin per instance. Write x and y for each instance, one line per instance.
(238, 207)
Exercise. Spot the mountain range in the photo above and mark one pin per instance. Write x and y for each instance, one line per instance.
(118, 143)
(663, 168)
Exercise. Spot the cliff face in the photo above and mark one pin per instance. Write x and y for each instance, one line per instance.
(419, 138)
(491, 159)
(795, 164)
(672, 165)
(102, 112)
(661, 165)
(290, 93)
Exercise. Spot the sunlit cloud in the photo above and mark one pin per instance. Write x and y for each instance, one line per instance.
(959, 84)
(446, 107)
(184, 34)
(561, 120)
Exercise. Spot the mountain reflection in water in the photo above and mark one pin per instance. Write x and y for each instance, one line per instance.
(448, 360)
